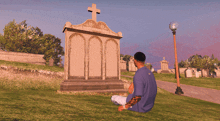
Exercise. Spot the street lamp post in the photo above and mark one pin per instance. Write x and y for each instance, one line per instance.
(173, 28)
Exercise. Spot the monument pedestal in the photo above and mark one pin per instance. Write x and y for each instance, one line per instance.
(93, 85)
(164, 66)
(165, 72)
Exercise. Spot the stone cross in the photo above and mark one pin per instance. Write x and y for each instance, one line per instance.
(163, 58)
(94, 11)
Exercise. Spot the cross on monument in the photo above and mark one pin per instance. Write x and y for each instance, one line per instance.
(94, 11)
(163, 58)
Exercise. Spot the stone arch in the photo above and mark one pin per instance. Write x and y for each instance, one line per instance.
(77, 49)
(95, 63)
(111, 59)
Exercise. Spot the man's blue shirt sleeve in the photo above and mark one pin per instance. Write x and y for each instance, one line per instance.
(138, 85)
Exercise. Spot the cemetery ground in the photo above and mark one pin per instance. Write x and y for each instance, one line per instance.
(29, 97)
(207, 82)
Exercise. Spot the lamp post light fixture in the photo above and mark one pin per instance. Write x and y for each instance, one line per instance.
(173, 27)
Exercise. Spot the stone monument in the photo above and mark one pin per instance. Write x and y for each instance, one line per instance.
(131, 66)
(152, 69)
(92, 57)
(217, 71)
(148, 66)
(205, 72)
(197, 74)
(51, 61)
(123, 65)
(60, 63)
(164, 66)
(188, 72)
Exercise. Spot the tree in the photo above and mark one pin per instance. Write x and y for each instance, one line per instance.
(212, 57)
(193, 56)
(10, 36)
(23, 38)
(2, 42)
(148, 65)
(51, 48)
(181, 64)
(196, 62)
(212, 63)
(121, 55)
(205, 62)
(15, 37)
(127, 58)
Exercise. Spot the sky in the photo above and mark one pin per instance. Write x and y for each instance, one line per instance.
(144, 23)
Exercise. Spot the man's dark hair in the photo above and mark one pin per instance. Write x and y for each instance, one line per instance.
(139, 56)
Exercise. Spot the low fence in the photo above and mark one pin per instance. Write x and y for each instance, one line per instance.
(22, 57)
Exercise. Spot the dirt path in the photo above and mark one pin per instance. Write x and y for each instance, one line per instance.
(206, 94)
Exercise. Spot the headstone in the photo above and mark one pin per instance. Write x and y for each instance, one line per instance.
(205, 72)
(148, 66)
(172, 71)
(182, 70)
(131, 66)
(217, 71)
(198, 74)
(164, 66)
(123, 65)
(194, 70)
(92, 55)
(152, 69)
(188, 73)
(60, 63)
(51, 61)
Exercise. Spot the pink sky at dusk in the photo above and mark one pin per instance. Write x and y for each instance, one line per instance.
(144, 24)
(203, 42)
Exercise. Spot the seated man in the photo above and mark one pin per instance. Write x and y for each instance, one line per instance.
(142, 91)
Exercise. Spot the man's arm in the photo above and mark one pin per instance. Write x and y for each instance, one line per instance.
(133, 101)
(131, 88)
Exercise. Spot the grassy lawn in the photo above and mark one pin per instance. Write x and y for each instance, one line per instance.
(31, 66)
(35, 97)
(48, 105)
(213, 83)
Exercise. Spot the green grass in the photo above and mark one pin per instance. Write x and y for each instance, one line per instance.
(31, 66)
(36, 98)
(48, 105)
(206, 82)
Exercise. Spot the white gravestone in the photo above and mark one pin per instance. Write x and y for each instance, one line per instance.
(152, 70)
(205, 73)
(123, 65)
(217, 71)
(198, 74)
(131, 66)
(188, 73)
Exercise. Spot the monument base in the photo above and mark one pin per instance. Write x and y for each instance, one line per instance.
(93, 85)
(123, 70)
(165, 71)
